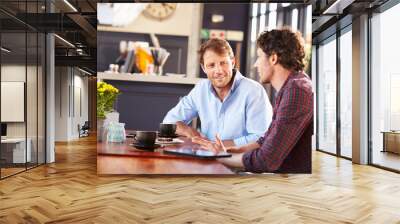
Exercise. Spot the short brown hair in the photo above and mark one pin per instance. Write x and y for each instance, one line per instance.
(287, 45)
(217, 45)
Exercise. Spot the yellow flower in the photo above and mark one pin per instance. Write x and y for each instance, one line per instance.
(103, 87)
(106, 95)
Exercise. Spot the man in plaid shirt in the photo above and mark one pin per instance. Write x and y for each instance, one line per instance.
(286, 146)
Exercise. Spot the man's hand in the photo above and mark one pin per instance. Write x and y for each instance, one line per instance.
(184, 130)
(207, 144)
(216, 147)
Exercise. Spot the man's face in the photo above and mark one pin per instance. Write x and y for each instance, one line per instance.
(218, 68)
(264, 66)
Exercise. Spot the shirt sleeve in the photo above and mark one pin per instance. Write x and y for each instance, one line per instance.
(185, 110)
(260, 141)
(292, 118)
(258, 117)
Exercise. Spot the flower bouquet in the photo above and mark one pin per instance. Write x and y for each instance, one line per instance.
(106, 96)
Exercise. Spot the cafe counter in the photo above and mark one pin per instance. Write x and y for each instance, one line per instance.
(145, 99)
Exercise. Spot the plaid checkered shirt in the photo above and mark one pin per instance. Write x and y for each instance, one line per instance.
(286, 146)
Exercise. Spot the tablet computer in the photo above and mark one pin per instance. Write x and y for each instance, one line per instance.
(200, 153)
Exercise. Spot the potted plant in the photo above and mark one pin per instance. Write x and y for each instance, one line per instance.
(106, 96)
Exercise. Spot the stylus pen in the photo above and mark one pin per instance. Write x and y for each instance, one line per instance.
(220, 142)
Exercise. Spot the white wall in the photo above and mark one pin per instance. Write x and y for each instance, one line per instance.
(16, 73)
(33, 127)
(180, 19)
(13, 72)
(179, 24)
(80, 98)
(71, 87)
(61, 103)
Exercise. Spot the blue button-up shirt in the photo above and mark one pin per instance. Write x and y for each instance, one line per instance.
(243, 116)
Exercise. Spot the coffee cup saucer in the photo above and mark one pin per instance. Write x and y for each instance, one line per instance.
(145, 147)
(167, 136)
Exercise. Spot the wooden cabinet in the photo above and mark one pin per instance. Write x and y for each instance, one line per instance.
(391, 141)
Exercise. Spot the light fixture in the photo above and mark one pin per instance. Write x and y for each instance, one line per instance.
(285, 4)
(338, 6)
(215, 18)
(119, 14)
(70, 5)
(64, 40)
(84, 71)
(5, 50)
(79, 51)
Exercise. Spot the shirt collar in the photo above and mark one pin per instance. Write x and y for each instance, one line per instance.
(291, 76)
(237, 78)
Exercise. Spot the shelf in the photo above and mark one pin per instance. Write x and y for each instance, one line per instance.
(147, 78)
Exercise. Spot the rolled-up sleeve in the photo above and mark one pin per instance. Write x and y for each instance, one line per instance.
(292, 118)
(185, 110)
(258, 117)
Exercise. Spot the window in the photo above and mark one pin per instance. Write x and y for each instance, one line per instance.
(346, 93)
(22, 67)
(254, 22)
(262, 17)
(327, 96)
(295, 15)
(385, 88)
(308, 20)
(268, 16)
(272, 16)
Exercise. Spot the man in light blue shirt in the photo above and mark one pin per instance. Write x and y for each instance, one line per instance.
(227, 103)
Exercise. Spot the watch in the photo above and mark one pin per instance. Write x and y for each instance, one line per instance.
(160, 11)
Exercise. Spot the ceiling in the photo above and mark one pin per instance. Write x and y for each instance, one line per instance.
(72, 20)
(76, 20)
(327, 13)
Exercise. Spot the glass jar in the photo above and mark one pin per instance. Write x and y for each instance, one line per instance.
(116, 132)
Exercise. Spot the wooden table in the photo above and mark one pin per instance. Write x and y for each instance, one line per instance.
(122, 158)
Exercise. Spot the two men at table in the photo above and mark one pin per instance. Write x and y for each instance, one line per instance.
(286, 145)
(227, 103)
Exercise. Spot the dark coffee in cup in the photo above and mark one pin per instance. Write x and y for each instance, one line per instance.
(146, 138)
(167, 129)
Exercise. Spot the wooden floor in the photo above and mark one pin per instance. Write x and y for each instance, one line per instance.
(386, 159)
(10, 171)
(69, 191)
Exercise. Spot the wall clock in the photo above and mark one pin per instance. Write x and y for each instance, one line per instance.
(160, 11)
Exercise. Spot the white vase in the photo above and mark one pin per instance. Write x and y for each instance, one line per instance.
(112, 117)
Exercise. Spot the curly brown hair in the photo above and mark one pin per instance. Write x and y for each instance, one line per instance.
(217, 45)
(287, 45)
